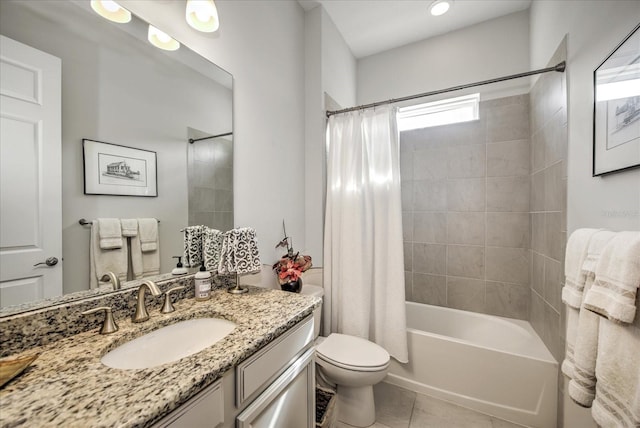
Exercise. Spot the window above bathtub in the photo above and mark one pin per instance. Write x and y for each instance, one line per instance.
(436, 113)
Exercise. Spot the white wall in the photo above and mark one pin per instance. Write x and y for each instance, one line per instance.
(494, 48)
(330, 68)
(262, 44)
(594, 29)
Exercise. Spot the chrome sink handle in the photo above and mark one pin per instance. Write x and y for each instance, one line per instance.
(141, 313)
(167, 308)
(109, 325)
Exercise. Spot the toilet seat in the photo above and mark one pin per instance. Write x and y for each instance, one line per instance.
(352, 353)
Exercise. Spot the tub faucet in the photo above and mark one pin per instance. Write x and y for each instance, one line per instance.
(110, 276)
(141, 313)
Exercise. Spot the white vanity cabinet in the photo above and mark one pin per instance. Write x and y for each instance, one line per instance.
(275, 387)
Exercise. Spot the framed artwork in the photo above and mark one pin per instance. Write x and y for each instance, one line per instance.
(111, 169)
(616, 112)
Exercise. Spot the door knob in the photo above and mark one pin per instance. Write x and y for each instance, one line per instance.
(51, 261)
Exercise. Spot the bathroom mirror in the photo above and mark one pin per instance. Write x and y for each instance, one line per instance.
(117, 88)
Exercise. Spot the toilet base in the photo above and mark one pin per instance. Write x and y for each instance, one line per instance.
(356, 406)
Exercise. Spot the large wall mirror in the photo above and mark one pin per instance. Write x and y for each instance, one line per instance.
(117, 88)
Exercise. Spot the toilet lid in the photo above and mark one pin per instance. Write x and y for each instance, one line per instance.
(352, 351)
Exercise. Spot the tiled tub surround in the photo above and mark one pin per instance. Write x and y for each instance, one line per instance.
(69, 386)
(465, 198)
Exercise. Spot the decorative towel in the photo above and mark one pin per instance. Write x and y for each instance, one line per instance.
(583, 378)
(572, 292)
(239, 253)
(102, 261)
(193, 246)
(617, 402)
(613, 294)
(212, 246)
(144, 263)
(148, 232)
(110, 233)
(129, 226)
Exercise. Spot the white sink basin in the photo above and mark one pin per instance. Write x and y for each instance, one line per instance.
(169, 343)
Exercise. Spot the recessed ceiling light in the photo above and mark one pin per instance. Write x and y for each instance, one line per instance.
(202, 15)
(162, 40)
(440, 7)
(111, 10)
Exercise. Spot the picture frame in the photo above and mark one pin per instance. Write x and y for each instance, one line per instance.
(112, 169)
(616, 109)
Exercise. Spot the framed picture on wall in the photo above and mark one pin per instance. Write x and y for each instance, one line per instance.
(111, 169)
(616, 112)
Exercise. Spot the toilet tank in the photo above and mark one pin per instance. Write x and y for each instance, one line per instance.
(317, 291)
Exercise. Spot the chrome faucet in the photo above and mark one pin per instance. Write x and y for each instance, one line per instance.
(110, 276)
(141, 313)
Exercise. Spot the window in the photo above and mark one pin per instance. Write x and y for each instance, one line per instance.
(443, 112)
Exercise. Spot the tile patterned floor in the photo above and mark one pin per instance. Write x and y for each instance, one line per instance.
(400, 408)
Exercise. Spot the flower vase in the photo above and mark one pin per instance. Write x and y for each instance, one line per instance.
(292, 286)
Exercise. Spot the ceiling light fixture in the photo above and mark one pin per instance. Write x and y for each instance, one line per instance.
(111, 10)
(162, 40)
(440, 7)
(202, 15)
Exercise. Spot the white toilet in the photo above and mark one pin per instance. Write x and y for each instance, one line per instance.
(353, 364)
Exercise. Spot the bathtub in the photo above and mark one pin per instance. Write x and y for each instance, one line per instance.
(498, 366)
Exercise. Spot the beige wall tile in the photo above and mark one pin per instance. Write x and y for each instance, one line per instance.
(407, 226)
(466, 194)
(538, 191)
(430, 289)
(553, 188)
(408, 285)
(407, 248)
(508, 158)
(430, 227)
(509, 194)
(553, 237)
(466, 161)
(466, 228)
(507, 300)
(466, 294)
(406, 194)
(430, 195)
(429, 258)
(430, 164)
(536, 313)
(508, 230)
(508, 123)
(508, 265)
(552, 279)
(537, 273)
(465, 261)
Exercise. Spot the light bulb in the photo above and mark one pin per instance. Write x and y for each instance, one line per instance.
(162, 40)
(202, 15)
(111, 10)
(439, 7)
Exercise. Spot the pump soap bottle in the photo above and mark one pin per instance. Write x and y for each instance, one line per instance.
(179, 269)
(203, 284)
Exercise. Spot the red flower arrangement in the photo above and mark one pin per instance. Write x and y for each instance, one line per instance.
(291, 266)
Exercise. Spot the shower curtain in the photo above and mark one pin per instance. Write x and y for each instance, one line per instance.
(363, 252)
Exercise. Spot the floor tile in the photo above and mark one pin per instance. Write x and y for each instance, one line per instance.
(393, 405)
(499, 423)
(431, 412)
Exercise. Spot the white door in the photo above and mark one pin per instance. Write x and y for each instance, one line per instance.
(30, 174)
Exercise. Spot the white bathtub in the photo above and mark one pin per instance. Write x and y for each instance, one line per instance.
(498, 366)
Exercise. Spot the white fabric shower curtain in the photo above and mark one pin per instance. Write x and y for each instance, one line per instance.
(363, 252)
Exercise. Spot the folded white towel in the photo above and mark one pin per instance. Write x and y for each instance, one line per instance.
(144, 263)
(148, 232)
(110, 233)
(103, 261)
(193, 246)
(129, 226)
(211, 247)
(613, 294)
(617, 402)
(583, 372)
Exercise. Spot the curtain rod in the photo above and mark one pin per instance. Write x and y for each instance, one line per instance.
(191, 140)
(560, 67)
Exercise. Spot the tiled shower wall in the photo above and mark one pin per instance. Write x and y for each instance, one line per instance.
(466, 204)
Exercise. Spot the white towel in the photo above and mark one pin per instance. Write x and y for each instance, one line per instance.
(144, 263)
(193, 246)
(211, 248)
(617, 402)
(613, 294)
(583, 375)
(129, 226)
(110, 233)
(148, 232)
(103, 261)
(572, 292)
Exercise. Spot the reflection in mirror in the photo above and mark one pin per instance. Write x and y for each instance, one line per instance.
(117, 88)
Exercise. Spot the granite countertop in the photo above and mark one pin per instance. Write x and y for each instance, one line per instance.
(69, 386)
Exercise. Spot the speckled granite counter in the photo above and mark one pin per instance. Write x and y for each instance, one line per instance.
(69, 386)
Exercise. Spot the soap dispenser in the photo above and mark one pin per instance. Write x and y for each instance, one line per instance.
(179, 269)
(203, 284)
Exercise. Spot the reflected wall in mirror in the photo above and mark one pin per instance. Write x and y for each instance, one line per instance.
(118, 88)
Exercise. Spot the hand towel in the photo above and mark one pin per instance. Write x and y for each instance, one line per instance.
(246, 252)
(110, 233)
(583, 379)
(212, 245)
(613, 294)
(617, 401)
(148, 232)
(129, 226)
(226, 263)
(193, 246)
(102, 261)
(144, 263)
(575, 279)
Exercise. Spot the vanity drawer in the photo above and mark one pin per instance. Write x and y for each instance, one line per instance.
(256, 373)
(206, 409)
